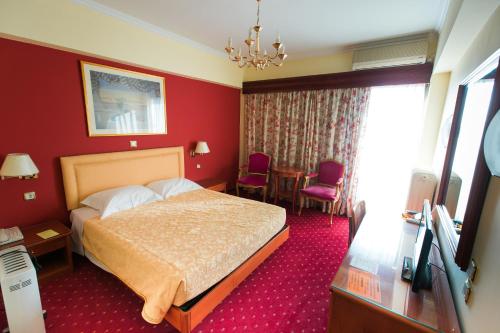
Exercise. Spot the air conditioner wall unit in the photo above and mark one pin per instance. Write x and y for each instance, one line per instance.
(20, 292)
(390, 53)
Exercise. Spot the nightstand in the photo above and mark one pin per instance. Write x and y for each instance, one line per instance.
(53, 254)
(214, 184)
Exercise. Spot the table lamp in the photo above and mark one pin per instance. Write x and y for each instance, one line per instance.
(18, 165)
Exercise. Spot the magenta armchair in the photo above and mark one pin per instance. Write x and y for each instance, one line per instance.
(255, 175)
(329, 187)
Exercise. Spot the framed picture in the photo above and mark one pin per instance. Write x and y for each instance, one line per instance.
(122, 102)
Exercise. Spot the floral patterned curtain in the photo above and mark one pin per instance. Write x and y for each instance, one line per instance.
(301, 128)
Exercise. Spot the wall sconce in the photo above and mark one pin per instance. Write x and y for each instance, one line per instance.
(18, 165)
(201, 148)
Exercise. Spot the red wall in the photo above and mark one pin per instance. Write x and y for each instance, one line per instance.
(42, 113)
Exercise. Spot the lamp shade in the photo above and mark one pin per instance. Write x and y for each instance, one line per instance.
(18, 165)
(202, 148)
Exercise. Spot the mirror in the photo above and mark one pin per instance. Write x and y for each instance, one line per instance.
(477, 100)
(465, 176)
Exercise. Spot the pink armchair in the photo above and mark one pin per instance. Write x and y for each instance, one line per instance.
(255, 175)
(329, 187)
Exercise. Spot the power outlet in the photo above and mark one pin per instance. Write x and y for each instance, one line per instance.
(472, 270)
(198, 166)
(29, 196)
(133, 144)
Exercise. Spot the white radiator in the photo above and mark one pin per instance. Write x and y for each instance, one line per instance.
(20, 291)
(454, 186)
(422, 186)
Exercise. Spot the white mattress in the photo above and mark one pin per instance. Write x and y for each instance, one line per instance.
(78, 217)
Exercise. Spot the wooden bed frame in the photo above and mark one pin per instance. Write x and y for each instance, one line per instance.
(185, 321)
(87, 174)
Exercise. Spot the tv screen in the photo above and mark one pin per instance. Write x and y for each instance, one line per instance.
(421, 272)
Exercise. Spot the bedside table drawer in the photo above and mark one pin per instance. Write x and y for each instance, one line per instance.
(218, 187)
(49, 246)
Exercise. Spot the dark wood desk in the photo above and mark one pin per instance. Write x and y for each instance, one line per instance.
(380, 246)
(286, 172)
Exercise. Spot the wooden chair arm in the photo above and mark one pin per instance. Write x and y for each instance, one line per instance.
(340, 185)
(308, 177)
(311, 175)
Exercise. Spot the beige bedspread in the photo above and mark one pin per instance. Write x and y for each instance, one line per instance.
(171, 251)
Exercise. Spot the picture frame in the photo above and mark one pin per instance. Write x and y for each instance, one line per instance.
(121, 102)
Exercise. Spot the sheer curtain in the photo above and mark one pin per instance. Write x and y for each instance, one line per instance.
(301, 128)
(389, 146)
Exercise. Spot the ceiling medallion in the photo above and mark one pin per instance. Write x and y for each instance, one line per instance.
(257, 58)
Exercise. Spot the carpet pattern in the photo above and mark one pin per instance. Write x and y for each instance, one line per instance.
(287, 293)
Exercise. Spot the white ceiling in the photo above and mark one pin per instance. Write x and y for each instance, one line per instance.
(307, 27)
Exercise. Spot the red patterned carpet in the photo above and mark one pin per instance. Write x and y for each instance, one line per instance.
(287, 293)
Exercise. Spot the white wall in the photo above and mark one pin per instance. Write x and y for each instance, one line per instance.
(481, 314)
(333, 63)
(436, 98)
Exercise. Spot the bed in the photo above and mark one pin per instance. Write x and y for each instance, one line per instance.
(182, 255)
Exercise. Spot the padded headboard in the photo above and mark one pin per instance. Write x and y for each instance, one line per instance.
(87, 174)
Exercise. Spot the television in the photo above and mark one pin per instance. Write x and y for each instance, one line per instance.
(418, 269)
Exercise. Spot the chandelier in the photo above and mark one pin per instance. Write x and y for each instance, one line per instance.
(256, 57)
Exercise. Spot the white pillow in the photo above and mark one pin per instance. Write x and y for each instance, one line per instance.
(173, 186)
(121, 198)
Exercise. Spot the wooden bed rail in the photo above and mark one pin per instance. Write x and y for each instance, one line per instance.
(185, 321)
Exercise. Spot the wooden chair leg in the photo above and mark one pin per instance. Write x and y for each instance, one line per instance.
(323, 207)
(332, 204)
(237, 190)
(301, 203)
(264, 193)
(337, 206)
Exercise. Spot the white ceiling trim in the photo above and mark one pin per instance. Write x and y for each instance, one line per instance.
(148, 26)
(442, 16)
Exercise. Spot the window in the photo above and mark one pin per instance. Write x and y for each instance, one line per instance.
(389, 147)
